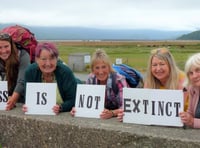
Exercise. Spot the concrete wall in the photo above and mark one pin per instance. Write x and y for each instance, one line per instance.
(63, 131)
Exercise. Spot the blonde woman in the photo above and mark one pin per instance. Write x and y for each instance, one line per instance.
(103, 74)
(163, 73)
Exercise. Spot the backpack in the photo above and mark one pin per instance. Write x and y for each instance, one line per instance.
(133, 77)
(23, 38)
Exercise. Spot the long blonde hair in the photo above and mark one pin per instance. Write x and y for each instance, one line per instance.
(173, 80)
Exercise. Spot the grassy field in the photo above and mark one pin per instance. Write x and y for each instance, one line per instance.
(133, 53)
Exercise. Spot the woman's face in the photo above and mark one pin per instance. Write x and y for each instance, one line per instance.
(194, 76)
(101, 71)
(46, 62)
(5, 49)
(160, 69)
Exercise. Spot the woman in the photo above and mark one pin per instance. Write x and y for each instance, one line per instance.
(13, 63)
(191, 118)
(48, 69)
(103, 74)
(162, 73)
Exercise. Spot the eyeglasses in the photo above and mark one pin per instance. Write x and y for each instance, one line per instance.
(159, 50)
(44, 60)
(4, 36)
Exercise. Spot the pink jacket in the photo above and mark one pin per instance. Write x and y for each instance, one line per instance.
(193, 101)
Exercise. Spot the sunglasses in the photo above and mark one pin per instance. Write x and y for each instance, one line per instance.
(4, 36)
(159, 50)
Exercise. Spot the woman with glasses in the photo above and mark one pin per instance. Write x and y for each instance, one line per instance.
(13, 63)
(191, 118)
(48, 69)
(163, 73)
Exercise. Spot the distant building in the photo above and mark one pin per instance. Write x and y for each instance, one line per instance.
(78, 61)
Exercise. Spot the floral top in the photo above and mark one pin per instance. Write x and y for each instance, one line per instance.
(114, 88)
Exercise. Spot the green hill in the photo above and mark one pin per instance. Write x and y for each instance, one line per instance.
(190, 36)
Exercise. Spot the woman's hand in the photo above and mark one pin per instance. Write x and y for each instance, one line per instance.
(11, 103)
(24, 108)
(186, 118)
(106, 114)
(73, 111)
(120, 115)
(56, 109)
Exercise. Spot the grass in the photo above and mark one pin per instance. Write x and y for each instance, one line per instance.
(135, 53)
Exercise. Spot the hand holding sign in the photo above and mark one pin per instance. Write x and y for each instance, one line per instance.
(3, 95)
(40, 98)
(152, 106)
(89, 100)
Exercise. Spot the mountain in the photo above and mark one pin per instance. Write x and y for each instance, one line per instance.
(190, 36)
(83, 33)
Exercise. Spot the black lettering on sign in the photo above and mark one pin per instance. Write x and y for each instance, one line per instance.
(41, 98)
(177, 105)
(81, 100)
(89, 101)
(145, 102)
(97, 99)
(168, 104)
(136, 107)
(127, 102)
(3, 96)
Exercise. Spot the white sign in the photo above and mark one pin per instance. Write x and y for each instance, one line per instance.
(89, 100)
(152, 106)
(40, 98)
(118, 61)
(3, 95)
(87, 59)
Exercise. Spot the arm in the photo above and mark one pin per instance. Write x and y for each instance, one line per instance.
(67, 87)
(19, 88)
(120, 81)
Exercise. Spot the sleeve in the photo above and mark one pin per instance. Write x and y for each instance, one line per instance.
(121, 83)
(193, 97)
(196, 123)
(68, 91)
(24, 62)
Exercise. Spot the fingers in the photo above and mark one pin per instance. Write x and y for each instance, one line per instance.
(56, 109)
(24, 108)
(73, 111)
(10, 105)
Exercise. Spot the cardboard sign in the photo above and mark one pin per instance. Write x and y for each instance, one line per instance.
(3, 95)
(152, 106)
(40, 98)
(89, 100)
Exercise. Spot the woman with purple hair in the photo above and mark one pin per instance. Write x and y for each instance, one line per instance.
(48, 69)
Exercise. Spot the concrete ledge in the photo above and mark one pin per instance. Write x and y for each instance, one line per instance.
(22, 131)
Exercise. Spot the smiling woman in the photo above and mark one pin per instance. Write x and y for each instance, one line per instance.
(13, 63)
(162, 72)
(103, 74)
(192, 116)
(48, 69)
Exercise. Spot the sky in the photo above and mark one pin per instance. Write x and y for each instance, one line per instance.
(112, 14)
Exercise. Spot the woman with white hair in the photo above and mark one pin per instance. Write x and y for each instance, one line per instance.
(191, 118)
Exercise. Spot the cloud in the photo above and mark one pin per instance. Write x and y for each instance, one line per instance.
(162, 14)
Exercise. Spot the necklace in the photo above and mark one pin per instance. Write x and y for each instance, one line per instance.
(48, 78)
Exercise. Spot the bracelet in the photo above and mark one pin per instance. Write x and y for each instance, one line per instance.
(113, 115)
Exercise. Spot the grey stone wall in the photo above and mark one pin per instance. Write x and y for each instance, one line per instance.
(18, 130)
